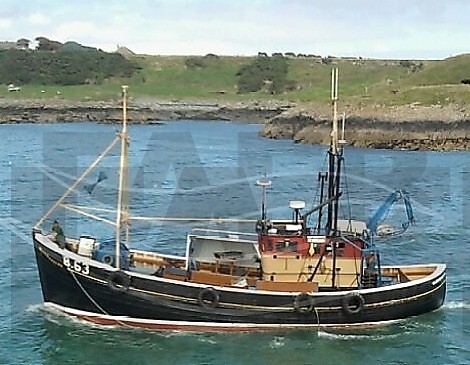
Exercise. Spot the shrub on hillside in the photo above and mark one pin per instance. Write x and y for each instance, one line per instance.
(412, 66)
(62, 67)
(193, 63)
(254, 76)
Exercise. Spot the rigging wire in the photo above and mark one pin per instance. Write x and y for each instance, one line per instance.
(348, 198)
(95, 303)
(319, 186)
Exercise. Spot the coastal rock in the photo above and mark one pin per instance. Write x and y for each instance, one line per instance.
(138, 111)
(407, 127)
(412, 127)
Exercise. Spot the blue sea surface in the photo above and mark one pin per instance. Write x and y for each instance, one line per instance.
(209, 170)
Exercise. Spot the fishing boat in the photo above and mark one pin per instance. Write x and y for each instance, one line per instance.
(286, 274)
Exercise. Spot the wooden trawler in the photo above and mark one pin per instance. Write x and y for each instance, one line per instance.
(287, 275)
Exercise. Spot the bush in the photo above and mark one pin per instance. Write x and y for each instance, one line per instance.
(411, 65)
(252, 77)
(62, 67)
(193, 63)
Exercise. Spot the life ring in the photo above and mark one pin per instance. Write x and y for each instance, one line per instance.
(303, 303)
(208, 298)
(119, 281)
(107, 259)
(353, 303)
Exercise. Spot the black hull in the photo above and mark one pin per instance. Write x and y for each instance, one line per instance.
(96, 292)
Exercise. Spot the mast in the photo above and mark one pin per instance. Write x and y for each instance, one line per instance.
(321, 178)
(122, 216)
(334, 99)
(333, 157)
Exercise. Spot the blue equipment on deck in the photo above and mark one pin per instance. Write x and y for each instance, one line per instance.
(382, 213)
(106, 253)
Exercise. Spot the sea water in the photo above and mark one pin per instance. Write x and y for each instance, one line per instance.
(199, 169)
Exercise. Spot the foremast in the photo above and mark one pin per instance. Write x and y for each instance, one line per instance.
(123, 212)
(122, 216)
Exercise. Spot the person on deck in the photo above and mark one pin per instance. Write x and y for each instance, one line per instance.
(58, 234)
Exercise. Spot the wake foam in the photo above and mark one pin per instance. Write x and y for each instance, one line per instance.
(347, 337)
(35, 308)
(277, 342)
(456, 305)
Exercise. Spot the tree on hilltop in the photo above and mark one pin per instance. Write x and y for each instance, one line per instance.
(45, 44)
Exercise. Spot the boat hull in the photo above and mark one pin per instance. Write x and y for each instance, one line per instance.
(99, 293)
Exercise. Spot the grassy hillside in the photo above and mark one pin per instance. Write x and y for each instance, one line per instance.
(361, 82)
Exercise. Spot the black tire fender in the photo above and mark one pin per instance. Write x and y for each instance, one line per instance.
(107, 259)
(119, 281)
(303, 303)
(208, 298)
(353, 303)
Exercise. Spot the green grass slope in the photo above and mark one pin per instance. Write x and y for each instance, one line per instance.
(362, 82)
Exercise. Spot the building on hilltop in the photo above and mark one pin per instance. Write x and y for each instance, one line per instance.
(124, 51)
(21, 44)
(4, 45)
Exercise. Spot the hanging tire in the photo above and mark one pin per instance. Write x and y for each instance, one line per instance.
(303, 303)
(119, 281)
(107, 259)
(353, 303)
(208, 298)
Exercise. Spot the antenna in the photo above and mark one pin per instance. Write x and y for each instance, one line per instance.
(296, 206)
(264, 183)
